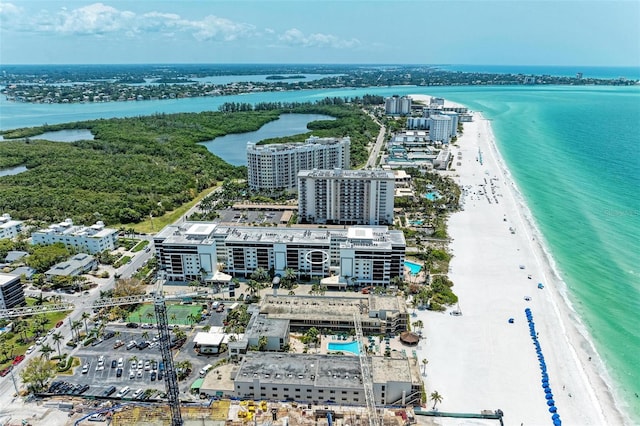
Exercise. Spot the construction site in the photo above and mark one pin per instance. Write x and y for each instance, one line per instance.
(234, 412)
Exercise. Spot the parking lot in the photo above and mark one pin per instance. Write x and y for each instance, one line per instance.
(148, 372)
(250, 216)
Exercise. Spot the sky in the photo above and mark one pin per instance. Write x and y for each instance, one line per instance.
(539, 32)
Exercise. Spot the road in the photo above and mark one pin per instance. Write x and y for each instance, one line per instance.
(82, 303)
(375, 150)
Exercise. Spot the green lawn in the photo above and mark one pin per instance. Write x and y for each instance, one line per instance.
(181, 312)
(17, 348)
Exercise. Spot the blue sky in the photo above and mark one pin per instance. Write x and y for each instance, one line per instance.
(561, 32)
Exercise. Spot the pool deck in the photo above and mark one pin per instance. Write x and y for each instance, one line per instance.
(395, 345)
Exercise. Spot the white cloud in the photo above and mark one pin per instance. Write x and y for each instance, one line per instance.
(96, 19)
(100, 19)
(9, 15)
(295, 37)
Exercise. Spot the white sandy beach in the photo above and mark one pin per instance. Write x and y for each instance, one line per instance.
(479, 360)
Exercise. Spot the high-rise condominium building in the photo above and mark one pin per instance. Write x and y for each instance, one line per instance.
(276, 166)
(373, 255)
(346, 197)
(396, 105)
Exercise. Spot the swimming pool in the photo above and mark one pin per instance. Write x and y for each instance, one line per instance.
(432, 196)
(413, 267)
(352, 347)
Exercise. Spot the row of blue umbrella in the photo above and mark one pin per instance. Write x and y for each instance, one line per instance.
(543, 368)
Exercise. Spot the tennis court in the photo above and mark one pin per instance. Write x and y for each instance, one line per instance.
(176, 313)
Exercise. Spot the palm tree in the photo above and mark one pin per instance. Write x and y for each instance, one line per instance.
(85, 316)
(424, 366)
(418, 324)
(436, 398)
(145, 335)
(260, 274)
(57, 338)
(75, 326)
(173, 317)
(149, 316)
(46, 350)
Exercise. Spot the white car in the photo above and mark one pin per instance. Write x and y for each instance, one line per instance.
(139, 375)
(147, 365)
(137, 393)
(31, 349)
(134, 365)
(85, 369)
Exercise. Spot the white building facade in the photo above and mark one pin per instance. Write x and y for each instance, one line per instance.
(346, 197)
(91, 239)
(11, 292)
(321, 378)
(396, 105)
(373, 255)
(9, 228)
(440, 128)
(276, 166)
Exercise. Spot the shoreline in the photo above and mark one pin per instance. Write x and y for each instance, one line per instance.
(485, 269)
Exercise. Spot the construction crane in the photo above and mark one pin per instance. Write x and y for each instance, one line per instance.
(367, 378)
(171, 377)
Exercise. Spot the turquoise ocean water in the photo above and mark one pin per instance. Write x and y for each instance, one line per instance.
(575, 155)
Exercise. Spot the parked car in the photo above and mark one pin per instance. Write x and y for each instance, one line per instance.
(109, 335)
(143, 345)
(119, 372)
(59, 324)
(117, 344)
(110, 390)
(85, 369)
(31, 349)
(132, 325)
(114, 363)
(5, 371)
(153, 376)
(17, 360)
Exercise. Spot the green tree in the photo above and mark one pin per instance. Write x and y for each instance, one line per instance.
(57, 338)
(46, 351)
(36, 373)
(75, 326)
(85, 316)
(436, 398)
(262, 343)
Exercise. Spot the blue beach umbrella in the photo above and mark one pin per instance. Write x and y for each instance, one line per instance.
(557, 422)
(551, 402)
(553, 409)
(549, 395)
(555, 416)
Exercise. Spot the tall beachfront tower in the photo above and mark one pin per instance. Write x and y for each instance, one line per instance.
(396, 105)
(276, 166)
(440, 128)
(346, 197)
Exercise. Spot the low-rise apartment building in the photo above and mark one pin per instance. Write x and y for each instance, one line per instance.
(321, 378)
(90, 239)
(9, 228)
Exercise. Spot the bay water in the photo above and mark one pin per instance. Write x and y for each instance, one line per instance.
(574, 152)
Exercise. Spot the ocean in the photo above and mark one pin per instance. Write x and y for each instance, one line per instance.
(574, 152)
